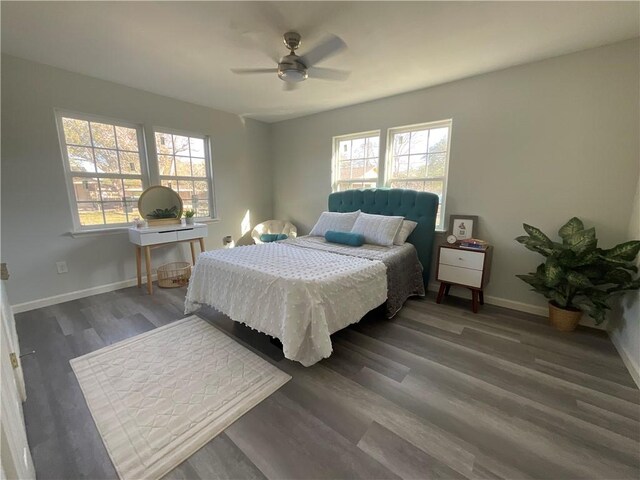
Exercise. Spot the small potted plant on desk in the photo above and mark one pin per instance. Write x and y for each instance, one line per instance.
(189, 217)
(577, 276)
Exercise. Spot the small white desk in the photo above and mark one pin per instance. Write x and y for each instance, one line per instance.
(153, 237)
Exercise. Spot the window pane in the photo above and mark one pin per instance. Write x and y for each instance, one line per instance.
(401, 143)
(76, 131)
(172, 184)
(197, 147)
(400, 166)
(130, 162)
(344, 150)
(86, 189)
(164, 143)
(419, 141)
(437, 165)
(417, 166)
(132, 190)
(111, 189)
(90, 213)
(199, 168)
(166, 165)
(357, 148)
(357, 169)
(106, 161)
(185, 190)
(372, 147)
(115, 212)
(103, 135)
(127, 139)
(435, 186)
(180, 145)
(81, 159)
(201, 207)
(183, 166)
(438, 139)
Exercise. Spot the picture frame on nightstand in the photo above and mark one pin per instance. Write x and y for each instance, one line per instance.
(463, 226)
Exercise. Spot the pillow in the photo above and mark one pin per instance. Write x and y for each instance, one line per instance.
(272, 237)
(339, 222)
(377, 229)
(345, 238)
(406, 227)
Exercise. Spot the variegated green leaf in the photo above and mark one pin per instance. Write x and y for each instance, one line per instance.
(617, 275)
(537, 234)
(570, 228)
(552, 273)
(625, 251)
(594, 311)
(583, 241)
(578, 280)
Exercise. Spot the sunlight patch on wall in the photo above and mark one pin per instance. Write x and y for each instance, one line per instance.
(245, 225)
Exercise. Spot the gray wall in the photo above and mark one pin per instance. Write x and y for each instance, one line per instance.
(537, 143)
(625, 324)
(36, 218)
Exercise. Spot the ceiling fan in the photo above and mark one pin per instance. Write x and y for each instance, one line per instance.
(293, 68)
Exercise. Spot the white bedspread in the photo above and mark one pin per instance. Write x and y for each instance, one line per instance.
(298, 295)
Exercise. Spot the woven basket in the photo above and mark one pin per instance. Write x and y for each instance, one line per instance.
(563, 319)
(174, 275)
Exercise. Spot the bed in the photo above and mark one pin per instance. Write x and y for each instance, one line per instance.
(302, 290)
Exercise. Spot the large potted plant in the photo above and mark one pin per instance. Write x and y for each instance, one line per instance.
(578, 276)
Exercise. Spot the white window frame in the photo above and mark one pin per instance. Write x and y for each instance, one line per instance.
(208, 164)
(389, 157)
(73, 204)
(336, 158)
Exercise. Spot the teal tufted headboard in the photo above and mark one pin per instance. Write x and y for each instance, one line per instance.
(420, 207)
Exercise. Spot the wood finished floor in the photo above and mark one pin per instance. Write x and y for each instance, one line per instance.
(437, 392)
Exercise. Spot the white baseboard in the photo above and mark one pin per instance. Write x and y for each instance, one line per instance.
(630, 362)
(75, 295)
(506, 303)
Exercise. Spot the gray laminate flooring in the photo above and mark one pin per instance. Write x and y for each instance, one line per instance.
(437, 392)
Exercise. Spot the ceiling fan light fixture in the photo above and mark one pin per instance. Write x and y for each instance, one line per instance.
(293, 75)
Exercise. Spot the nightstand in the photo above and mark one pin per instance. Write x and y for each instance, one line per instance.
(465, 268)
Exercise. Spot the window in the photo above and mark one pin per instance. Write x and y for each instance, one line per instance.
(418, 158)
(356, 161)
(184, 165)
(104, 168)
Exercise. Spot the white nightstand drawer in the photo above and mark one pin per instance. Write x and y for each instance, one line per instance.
(460, 275)
(462, 258)
(153, 238)
(196, 232)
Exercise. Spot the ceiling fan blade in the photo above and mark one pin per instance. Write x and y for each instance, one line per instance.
(329, 74)
(329, 46)
(289, 86)
(250, 71)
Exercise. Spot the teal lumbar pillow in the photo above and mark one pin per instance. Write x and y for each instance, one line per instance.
(345, 238)
(272, 237)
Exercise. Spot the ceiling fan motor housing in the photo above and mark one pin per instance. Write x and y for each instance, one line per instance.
(291, 69)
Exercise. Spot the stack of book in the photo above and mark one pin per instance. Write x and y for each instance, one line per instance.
(473, 243)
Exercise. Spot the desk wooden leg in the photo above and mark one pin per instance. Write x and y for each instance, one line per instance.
(139, 265)
(446, 290)
(481, 293)
(201, 244)
(193, 252)
(147, 256)
(443, 287)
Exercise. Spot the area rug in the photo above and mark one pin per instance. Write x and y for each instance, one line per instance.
(158, 397)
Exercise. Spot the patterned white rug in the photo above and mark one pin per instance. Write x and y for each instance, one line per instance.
(158, 397)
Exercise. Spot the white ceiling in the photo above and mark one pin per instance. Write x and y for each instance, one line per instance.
(185, 49)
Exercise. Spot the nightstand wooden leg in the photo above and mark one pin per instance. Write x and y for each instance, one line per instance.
(139, 265)
(193, 252)
(441, 292)
(147, 257)
(202, 244)
(446, 290)
(481, 293)
(474, 301)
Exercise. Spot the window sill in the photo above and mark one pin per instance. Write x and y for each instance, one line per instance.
(116, 230)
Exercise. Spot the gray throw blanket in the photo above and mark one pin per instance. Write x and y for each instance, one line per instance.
(404, 271)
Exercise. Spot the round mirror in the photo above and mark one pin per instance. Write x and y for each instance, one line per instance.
(160, 203)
